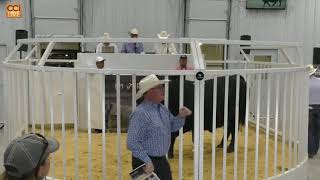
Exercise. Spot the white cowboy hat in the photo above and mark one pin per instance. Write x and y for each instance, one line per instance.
(100, 59)
(147, 83)
(134, 31)
(106, 35)
(311, 69)
(163, 35)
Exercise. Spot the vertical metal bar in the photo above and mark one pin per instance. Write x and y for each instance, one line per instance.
(9, 114)
(306, 114)
(134, 88)
(32, 109)
(235, 167)
(257, 127)
(201, 138)
(18, 100)
(88, 78)
(284, 119)
(214, 120)
(275, 163)
(225, 54)
(102, 92)
(196, 130)
(75, 127)
(51, 99)
(119, 128)
(266, 165)
(11, 111)
(181, 96)
(296, 128)
(166, 92)
(290, 119)
(41, 88)
(225, 127)
(25, 100)
(246, 128)
(64, 156)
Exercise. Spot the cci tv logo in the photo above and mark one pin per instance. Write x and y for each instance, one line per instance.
(13, 10)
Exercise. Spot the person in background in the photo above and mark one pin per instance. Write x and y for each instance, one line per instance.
(150, 127)
(164, 48)
(314, 112)
(106, 47)
(130, 47)
(100, 62)
(183, 63)
(28, 157)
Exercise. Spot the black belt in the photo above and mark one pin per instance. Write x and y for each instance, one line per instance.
(157, 157)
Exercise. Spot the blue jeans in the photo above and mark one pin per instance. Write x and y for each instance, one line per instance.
(314, 131)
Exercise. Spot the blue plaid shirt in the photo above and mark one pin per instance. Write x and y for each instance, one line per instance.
(149, 132)
(132, 48)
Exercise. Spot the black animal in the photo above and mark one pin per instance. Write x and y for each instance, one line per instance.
(267, 2)
(208, 106)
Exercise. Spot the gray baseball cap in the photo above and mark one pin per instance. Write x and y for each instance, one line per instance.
(26, 153)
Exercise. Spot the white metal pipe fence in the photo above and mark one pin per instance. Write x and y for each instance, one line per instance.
(273, 140)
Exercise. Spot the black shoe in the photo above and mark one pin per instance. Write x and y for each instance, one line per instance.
(310, 156)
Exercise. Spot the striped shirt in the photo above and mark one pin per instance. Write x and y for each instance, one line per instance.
(149, 132)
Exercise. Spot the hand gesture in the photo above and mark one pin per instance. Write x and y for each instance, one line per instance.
(184, 112)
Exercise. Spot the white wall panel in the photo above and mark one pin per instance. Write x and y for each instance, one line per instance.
(118, 17)
(207, 18)
(208, 9)
(56, 17)
(49, 26)
(292, 24)
(56, 8)
(205, 29)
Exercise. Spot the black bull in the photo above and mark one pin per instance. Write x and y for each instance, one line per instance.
(208, 106)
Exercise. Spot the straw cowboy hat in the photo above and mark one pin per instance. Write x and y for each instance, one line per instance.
(163, 35)
(106, 35)
(311, 69)
(147, 83)
(134, 31)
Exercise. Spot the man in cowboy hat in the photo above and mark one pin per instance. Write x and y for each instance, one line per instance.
(28, 157)
(314, 111)
(106, 47)
(164, 48)
(129, 47)
(150, 128)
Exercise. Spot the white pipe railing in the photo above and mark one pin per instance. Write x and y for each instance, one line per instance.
(293, 131)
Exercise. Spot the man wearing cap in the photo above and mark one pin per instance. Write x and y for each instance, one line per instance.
(106, 47)
(183, 63)
(314, 112)
(150, 127)
(164, 48)
(27, 157)
(100, 62)
(129, 47)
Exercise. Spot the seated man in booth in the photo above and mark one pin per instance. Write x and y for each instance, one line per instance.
(183, 63)
(133, 47)
(164, 48)
(106, 47)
